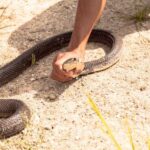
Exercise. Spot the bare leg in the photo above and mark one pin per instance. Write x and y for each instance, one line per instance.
(88, 13)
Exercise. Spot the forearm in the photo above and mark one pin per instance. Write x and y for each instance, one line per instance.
(88, 13)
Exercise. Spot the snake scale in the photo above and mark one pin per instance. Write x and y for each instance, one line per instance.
(14, 114)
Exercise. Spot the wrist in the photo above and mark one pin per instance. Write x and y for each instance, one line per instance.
(80, 49)
(76, 52)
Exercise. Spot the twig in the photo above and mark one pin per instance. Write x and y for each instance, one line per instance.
(4, 10)
(2, 7)
(6, 26)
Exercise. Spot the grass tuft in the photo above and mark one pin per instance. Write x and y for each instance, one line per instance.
(141, 15)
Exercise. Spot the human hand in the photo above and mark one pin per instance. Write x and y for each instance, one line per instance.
(58, 73)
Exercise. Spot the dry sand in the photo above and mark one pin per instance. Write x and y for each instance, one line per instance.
(68, 122)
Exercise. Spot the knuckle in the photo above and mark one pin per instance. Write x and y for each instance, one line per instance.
(70, 75)
(60, 54)
(56, 64)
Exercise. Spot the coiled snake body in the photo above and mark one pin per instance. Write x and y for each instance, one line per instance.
(14, 113)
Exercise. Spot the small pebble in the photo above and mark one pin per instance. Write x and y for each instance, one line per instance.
(32, 79)
(51, 96)
(46, 128)
(142, 88)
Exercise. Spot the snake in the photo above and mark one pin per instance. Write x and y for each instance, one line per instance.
(15, 114)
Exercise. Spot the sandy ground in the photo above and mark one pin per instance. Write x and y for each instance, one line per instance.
(68, 122)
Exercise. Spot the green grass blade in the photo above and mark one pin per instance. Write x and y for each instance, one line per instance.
(33, 62)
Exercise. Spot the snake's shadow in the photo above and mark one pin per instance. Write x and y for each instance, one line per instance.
(57, 19)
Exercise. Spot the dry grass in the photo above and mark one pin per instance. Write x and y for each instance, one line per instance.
(3, 17)
(141, 15)
(109, 130)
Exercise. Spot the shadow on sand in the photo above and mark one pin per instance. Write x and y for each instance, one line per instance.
(60, 18)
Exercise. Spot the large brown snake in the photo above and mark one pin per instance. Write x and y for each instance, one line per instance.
(14, 113)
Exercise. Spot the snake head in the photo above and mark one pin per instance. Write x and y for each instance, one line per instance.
(72, 63)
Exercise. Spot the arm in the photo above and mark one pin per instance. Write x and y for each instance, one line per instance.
(88, 13)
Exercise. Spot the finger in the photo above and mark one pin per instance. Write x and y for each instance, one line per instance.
(56, 76)
(64, 58)
(62, 72)
(57, 58)
(59, 77)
